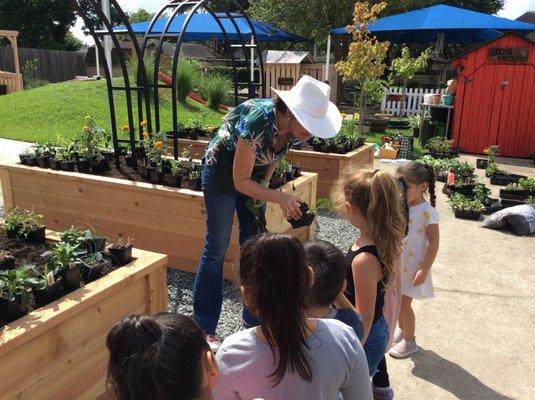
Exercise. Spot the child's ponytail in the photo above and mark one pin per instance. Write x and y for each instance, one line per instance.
(431, 181)
(419, 173)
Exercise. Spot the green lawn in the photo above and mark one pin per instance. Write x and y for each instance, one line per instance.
(58, 109)
(375, 137)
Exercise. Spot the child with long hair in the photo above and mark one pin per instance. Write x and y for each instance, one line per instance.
(370, 200)
(164, 357)
(289, 356)
(419, 252)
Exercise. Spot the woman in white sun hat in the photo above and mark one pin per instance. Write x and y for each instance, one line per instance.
(239, 162)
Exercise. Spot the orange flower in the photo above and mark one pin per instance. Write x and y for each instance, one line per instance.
(158, 144)
(125, 128)
(146, 135)
(486, 151)
(143, 123)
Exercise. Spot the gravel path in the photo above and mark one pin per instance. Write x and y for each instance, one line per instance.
(330, 227)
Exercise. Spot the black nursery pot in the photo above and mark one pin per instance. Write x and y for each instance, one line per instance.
(45, 296)
(173, 181)
(121, 256)
(99, 167)
(30, 161)
(11, 234)
(36, 235)
(297, 172)
(482, 163)
(500, 179)
(196, 184)
(67, 166)
(277, 181)
(44, 162)
(129, 161)
(10, 310)
(72, 278)
(54, 164)
(306, 217)
(155, 176)
(83, 165)
(91, 273)
(467, 214)
(22, 158)
(317, 147)
(108, 155)
(95, 244)
(7, 262)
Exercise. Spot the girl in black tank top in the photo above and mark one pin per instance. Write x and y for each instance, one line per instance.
(370, 201)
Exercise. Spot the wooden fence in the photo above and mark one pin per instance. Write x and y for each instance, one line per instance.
(391, 102)
(54, 65)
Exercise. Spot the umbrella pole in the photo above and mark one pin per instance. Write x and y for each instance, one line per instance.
(327, 59)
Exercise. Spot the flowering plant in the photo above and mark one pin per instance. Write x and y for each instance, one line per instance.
(156, 147)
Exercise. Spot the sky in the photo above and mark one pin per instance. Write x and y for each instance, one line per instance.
(513, 9)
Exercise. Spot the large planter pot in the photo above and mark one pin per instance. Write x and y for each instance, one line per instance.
(160, 218)
(465, 214)
(59, 351)
(520, 195)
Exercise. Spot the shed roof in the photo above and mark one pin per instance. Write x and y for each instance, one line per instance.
(287, 57)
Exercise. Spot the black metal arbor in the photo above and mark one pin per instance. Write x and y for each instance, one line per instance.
(140, 91)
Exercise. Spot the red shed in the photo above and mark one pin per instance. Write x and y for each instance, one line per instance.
(495, 99)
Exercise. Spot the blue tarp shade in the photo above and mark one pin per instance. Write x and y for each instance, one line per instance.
(203, 27)
(458, 24)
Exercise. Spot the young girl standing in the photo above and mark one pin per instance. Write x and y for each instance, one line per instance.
(419, 252)
(289, 356)
(370, 201)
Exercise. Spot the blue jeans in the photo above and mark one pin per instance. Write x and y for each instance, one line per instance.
(376, 343)
(208, 287)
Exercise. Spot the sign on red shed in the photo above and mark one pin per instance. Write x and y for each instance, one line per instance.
(495, 99)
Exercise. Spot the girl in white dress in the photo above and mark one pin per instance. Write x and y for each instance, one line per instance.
(419, 252)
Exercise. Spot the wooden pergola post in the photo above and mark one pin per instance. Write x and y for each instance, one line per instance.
(12, 80)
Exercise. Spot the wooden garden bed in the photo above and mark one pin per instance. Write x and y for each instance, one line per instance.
(59, 351)
(328, 166)
(161, 219)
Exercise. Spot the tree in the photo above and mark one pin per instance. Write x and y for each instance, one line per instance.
(141, 15)
(42, 24)
(366, 55)
(405, 67)
(72, 43)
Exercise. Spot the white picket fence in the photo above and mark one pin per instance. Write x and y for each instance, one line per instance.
(413, 99)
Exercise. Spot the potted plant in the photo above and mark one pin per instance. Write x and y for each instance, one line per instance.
(491, 152)
(196, 130)
(195, 179)
(414, 122)
(43, 152)
(46, 285)
(307, 216)
(279, 175)
(440, 147)
(92, 266)
(13, 223)
(7, 261)
(519, 191)
(32, 228)
(466, 208)
(99, 164)
(156, 148)
(56, 158)
(67, 157)
(66, 260)
(28, 157)
(121, 251)
(83, 162)
(14, 293)
(317, 143)
(174, 177)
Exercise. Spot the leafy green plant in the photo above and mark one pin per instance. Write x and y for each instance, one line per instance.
(461, 202)
(74, 236)
(188, 72)
(29, 75)
(30, 220)
(176, 168)
(39, 276)
(13, 283)
(194, 174)
(283, 166)
(14, 222)
(156, 148)
(62, 256)
(440, 145)
(215, 88)
(480, 192)
(414, 121)
(186, 153)
(527, 184)
(324, 203)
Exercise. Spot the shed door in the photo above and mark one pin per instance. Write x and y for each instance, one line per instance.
(499, 108)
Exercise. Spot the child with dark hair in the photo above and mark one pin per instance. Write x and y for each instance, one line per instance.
(329, 266)
(161, 357)
(289, 356)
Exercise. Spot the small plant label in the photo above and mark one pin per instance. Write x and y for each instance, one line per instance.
(50, 278)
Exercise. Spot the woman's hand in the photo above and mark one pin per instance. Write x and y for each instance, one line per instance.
(290, 205)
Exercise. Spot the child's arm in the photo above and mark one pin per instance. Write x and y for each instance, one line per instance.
(433, 236)
(366, 273)
(342, 302)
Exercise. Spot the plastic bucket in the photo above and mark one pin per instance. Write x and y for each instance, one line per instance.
(428, 98)
(447, 99)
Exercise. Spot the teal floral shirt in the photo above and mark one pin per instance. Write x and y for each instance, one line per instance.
(254, 122)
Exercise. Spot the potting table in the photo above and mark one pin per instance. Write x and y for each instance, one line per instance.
(426, 108)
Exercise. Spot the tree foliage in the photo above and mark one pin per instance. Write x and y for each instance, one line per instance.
(405, 66)
(141, 15)
(42, 24)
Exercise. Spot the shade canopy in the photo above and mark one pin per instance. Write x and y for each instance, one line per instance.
(203, 27)
(458, 25)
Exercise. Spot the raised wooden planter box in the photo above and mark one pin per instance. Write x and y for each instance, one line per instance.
(161, 219)
(59, 351)
(328, 166)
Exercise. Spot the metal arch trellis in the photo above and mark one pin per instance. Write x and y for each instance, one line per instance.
(144, 83)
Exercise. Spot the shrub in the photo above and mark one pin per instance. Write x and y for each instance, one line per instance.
(188, 72)
(29, 75)
(215, 89)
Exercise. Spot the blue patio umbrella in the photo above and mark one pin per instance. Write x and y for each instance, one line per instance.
(203, 27)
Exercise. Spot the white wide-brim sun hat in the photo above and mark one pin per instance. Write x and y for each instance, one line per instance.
(309, 102)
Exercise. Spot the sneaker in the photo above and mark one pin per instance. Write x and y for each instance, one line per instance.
(382, 393)
(403, 349)
(398, 336)
(214, 341)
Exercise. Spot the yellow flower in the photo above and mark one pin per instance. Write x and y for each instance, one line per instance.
(146, 135)
(143, 123)
(86, 129)
(426, 215)
(158, 144)
(125, 128)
